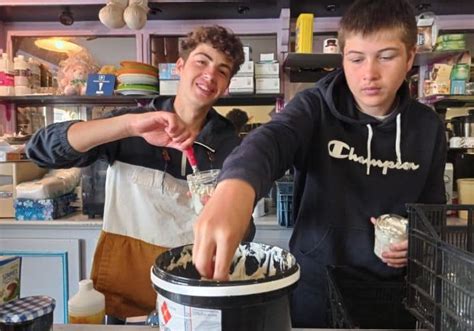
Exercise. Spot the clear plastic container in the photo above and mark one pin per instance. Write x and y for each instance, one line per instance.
(201, 185)
(389, 229)
(87, 306)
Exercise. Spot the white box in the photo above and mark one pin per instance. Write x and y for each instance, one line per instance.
(269, 70)
(241, 85)
(168, 87)
(267, 57)
(267, 85)
(247, 51)
(246, 69)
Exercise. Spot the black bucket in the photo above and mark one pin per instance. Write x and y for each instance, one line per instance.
(256, 298)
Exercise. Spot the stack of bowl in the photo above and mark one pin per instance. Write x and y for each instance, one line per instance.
(137, 78)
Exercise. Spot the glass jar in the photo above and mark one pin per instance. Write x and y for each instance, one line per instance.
(389, 229)
(202, 184)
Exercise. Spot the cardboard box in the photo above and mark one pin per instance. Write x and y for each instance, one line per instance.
(267, 57)
(247, 52)
(267, 70)
(267, 85)
(241, 85)
(10, 278)
(12, 174)
(168, 87)
(246, 69)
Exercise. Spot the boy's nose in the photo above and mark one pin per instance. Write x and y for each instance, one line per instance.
(371, 70)
(210, 73)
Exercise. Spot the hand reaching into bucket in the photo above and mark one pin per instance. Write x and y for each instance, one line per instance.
(216, 237)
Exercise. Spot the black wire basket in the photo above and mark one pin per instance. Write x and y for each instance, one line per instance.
(358, 299)
(441, 267)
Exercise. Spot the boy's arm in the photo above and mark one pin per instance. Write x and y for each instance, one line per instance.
(74, 143)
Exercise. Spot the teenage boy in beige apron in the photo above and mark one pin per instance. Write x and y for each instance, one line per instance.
(147, 209)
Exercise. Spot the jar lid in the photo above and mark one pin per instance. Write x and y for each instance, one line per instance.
(26, 309)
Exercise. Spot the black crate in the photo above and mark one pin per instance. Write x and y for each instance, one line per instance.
(441, 267)
(285, 203)
(358, 299)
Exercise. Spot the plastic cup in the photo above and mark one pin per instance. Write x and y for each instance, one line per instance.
(389, 229)
(201, 185)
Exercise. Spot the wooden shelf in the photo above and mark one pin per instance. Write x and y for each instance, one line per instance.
(118, 100)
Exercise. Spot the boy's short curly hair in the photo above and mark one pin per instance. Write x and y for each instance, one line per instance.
(218, 37)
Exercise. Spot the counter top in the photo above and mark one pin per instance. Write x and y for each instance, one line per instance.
(82, 327)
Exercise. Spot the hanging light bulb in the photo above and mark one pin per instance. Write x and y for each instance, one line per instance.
(58, 45)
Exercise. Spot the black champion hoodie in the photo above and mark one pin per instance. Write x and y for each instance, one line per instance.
(349, 166)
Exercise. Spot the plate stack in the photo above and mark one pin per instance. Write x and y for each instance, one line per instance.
(137, 78)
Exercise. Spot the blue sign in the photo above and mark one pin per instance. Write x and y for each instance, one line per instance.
(98, 84)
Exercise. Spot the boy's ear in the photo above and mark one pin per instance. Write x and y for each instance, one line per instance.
(411, 58)
(179, 66)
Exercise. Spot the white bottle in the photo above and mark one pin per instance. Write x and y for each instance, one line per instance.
(22, 76)
(87, 306)
(7, 81)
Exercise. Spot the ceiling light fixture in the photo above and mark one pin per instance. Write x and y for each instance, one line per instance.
(58, 45)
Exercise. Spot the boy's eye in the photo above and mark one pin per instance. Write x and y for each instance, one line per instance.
(355, 60)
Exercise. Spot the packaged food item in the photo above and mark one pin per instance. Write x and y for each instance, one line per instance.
(427, 31)
(87, 306)
(331, 45)
(10, 271)
(389, 229)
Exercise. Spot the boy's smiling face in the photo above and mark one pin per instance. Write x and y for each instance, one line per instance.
(204, 75)
(375, 67)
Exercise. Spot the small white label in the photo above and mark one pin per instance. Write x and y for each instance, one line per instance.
(178, 317)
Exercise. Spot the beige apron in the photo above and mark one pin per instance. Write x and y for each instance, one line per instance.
(144, 215)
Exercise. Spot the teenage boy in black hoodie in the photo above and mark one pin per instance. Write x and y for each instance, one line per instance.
(360, 147)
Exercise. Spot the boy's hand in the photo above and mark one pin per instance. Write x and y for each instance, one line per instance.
(220, 227)
(396, 257)
(161, 128)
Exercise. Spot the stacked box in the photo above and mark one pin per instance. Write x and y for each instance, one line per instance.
(243, 81)
(44, 209)
(267, 77)
(169, 78)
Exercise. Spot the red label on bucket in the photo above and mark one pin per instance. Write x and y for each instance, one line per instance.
(175, 316)
(165, 312)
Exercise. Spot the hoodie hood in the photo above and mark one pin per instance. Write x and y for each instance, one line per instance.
(342, 105)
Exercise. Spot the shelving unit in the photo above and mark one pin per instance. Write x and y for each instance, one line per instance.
(48, 100)
(310, 67)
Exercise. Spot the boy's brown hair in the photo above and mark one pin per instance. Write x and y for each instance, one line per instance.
(218, 37)
(371, 16)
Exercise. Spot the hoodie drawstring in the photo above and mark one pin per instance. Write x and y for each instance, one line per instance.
(398, 138)
(369, 149)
